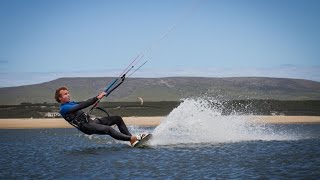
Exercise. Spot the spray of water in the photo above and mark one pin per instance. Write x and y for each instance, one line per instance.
(201, 121)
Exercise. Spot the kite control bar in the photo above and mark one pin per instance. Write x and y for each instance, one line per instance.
(114, 85)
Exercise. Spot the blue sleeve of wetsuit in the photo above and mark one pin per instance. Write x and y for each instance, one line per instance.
(82, 105)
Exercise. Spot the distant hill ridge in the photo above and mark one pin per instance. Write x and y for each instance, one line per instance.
(168, 89)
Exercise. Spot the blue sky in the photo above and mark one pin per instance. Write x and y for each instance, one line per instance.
(41, 40)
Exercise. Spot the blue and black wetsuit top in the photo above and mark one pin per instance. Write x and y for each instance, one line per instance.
(72, 111)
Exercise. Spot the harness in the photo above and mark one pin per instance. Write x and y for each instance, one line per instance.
(83, 118)
(79, 120)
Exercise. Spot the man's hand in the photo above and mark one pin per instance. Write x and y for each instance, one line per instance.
(101, 95)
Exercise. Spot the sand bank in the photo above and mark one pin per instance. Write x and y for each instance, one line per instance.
(285, 119)
(147, 121)
(61, 123)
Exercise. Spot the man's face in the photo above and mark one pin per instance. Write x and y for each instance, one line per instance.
(64, 96)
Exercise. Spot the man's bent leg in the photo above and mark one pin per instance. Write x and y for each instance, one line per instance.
(94, 128)
(112, 120)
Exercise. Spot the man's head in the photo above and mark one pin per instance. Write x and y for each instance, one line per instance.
(62, 95)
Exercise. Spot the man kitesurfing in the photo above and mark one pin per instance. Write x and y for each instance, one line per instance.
(73, 113)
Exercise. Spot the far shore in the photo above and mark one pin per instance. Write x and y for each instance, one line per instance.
(147, 121)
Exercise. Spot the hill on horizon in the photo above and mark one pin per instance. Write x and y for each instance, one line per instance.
(167, 89)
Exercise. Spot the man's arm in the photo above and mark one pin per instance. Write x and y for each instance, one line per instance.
(83, 105)
(86, 103)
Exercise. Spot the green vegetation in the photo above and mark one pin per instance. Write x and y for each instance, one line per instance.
(163, 108)
(272, 107)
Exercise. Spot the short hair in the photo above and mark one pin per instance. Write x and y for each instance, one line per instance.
(57, 94)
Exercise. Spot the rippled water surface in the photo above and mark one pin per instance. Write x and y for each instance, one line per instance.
(66, 153)
(195, 141)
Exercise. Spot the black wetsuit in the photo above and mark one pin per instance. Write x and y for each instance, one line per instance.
(72, 112)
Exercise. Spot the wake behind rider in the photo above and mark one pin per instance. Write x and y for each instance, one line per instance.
(73, 113)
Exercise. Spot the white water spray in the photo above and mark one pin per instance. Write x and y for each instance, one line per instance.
(200, 121)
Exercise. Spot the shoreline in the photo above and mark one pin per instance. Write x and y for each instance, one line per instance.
(146, 121)
(27, 123)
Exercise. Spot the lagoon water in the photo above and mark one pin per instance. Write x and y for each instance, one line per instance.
(193, 142)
